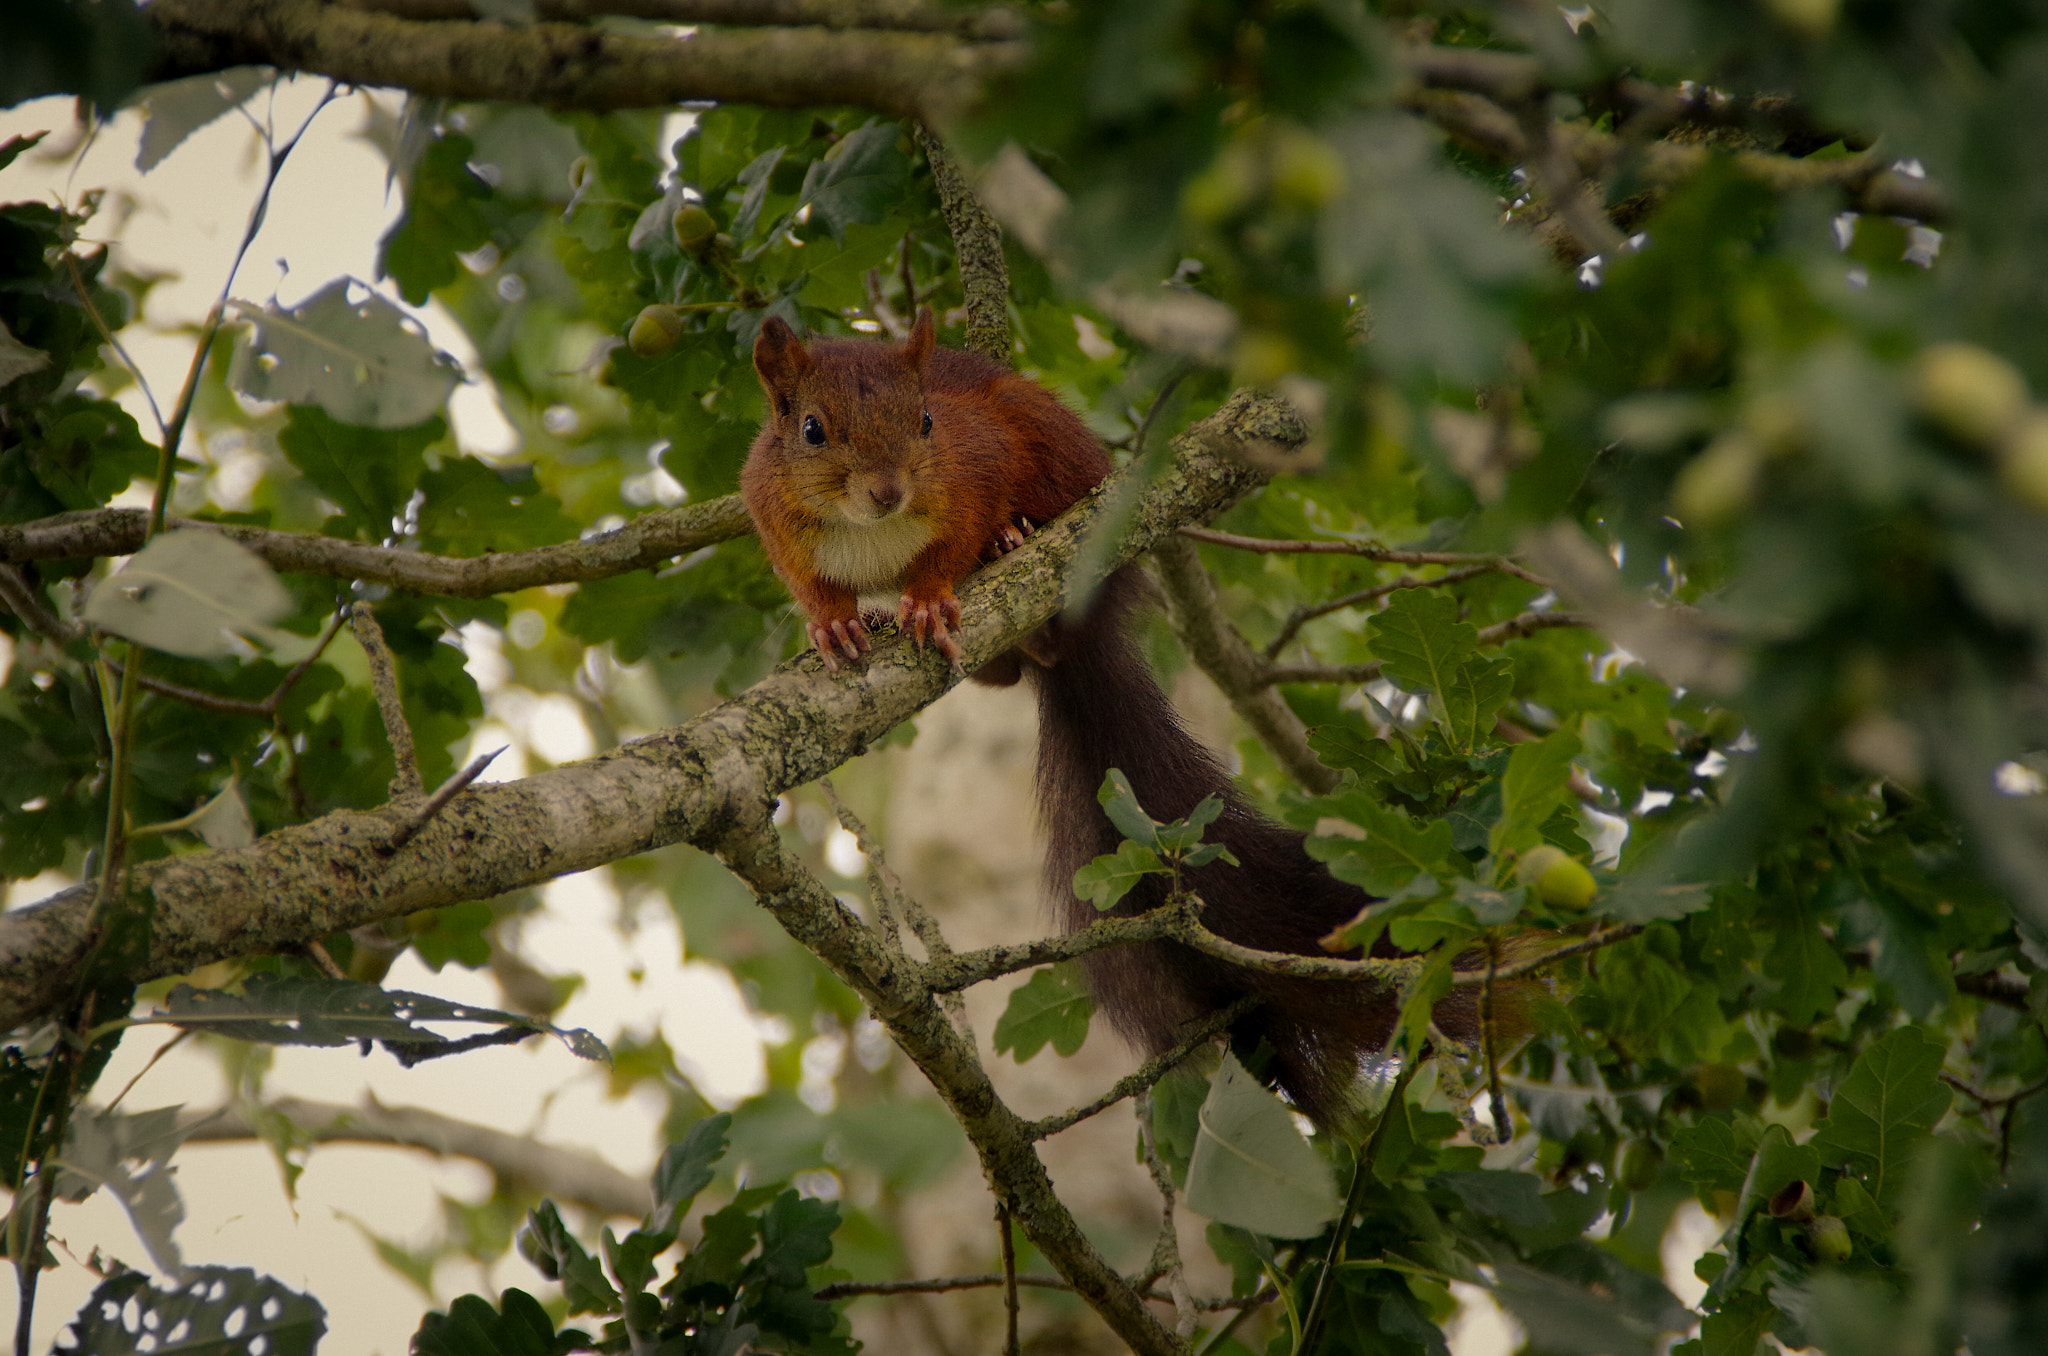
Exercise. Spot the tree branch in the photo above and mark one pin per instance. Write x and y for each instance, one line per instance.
(1150, 1072)
(565, 1174)
(683, 784)
(1514, 628)
(1220, 651)
(978, 245)
(750, 847)
(559, 65)
(933, 1285)
(650, 540)
(909, 16)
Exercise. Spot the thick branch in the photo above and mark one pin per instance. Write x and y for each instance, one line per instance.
(650, 540)
(893, 991)
(565, 1174)
(556, 65)
(978, 244)
(909, 16)
(684, 784)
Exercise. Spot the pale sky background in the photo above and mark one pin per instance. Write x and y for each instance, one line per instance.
(325, 217)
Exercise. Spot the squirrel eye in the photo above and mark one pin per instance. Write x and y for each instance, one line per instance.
(814, 432)
(927, 430)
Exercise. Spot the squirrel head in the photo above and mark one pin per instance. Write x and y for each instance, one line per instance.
(850, 414)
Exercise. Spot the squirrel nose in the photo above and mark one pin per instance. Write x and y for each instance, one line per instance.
(886, 496)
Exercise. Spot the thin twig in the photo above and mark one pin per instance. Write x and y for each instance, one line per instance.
(99, 323)
(1035, 1280)
(1166, 1259)
(884, 887)
(1220, 650)
(322, 961)
(405, 777)
(1148, 1073)
(1470, 978)
(1010, 1305)
(1367, 549)
(1158, 403)
(1361, 1173)
(1301, 616)
(1514, 628)
(1369, 970)
(444, 793)
(1489, 1048)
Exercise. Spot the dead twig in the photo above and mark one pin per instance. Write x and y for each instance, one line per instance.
(444, 793)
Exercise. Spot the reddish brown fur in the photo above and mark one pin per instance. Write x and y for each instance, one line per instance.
(1003, 448)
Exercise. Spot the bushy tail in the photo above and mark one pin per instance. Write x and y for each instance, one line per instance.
(1100, 708)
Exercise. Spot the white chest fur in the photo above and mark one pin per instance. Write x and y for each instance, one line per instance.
(870, 557)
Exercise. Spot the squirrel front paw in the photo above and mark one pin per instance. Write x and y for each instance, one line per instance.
(1009, 539)
(936, 619)
(837, 638)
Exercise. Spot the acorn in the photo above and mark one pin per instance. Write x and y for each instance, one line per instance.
(1307, 174)
(1810, 19)
(694, 227)
(655, 330)
(1558, 879)
(1791, 1042)
(1719, 483)
(1969, 393)
(1793, 1201)
(2023, 461)
(1640, 1163)
(1830, 1239)
(1720, 1085)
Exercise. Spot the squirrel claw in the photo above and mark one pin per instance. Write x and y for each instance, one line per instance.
(848, 638)
(938, 619)
(1009, 539)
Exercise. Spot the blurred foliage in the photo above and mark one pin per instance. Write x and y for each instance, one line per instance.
(1800, 440)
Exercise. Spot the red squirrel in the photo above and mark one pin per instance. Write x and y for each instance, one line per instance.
(888, 472)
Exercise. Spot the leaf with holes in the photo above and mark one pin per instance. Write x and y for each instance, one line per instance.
(130, 1158)
(186, 592)
(217, 1311)
(327, 1012)
(364, 362)
(178, 108)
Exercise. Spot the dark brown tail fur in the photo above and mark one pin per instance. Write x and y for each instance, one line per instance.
(1101, 708)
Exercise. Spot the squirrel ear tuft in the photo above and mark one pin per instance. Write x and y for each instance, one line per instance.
(923, 334)
(779, 359)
